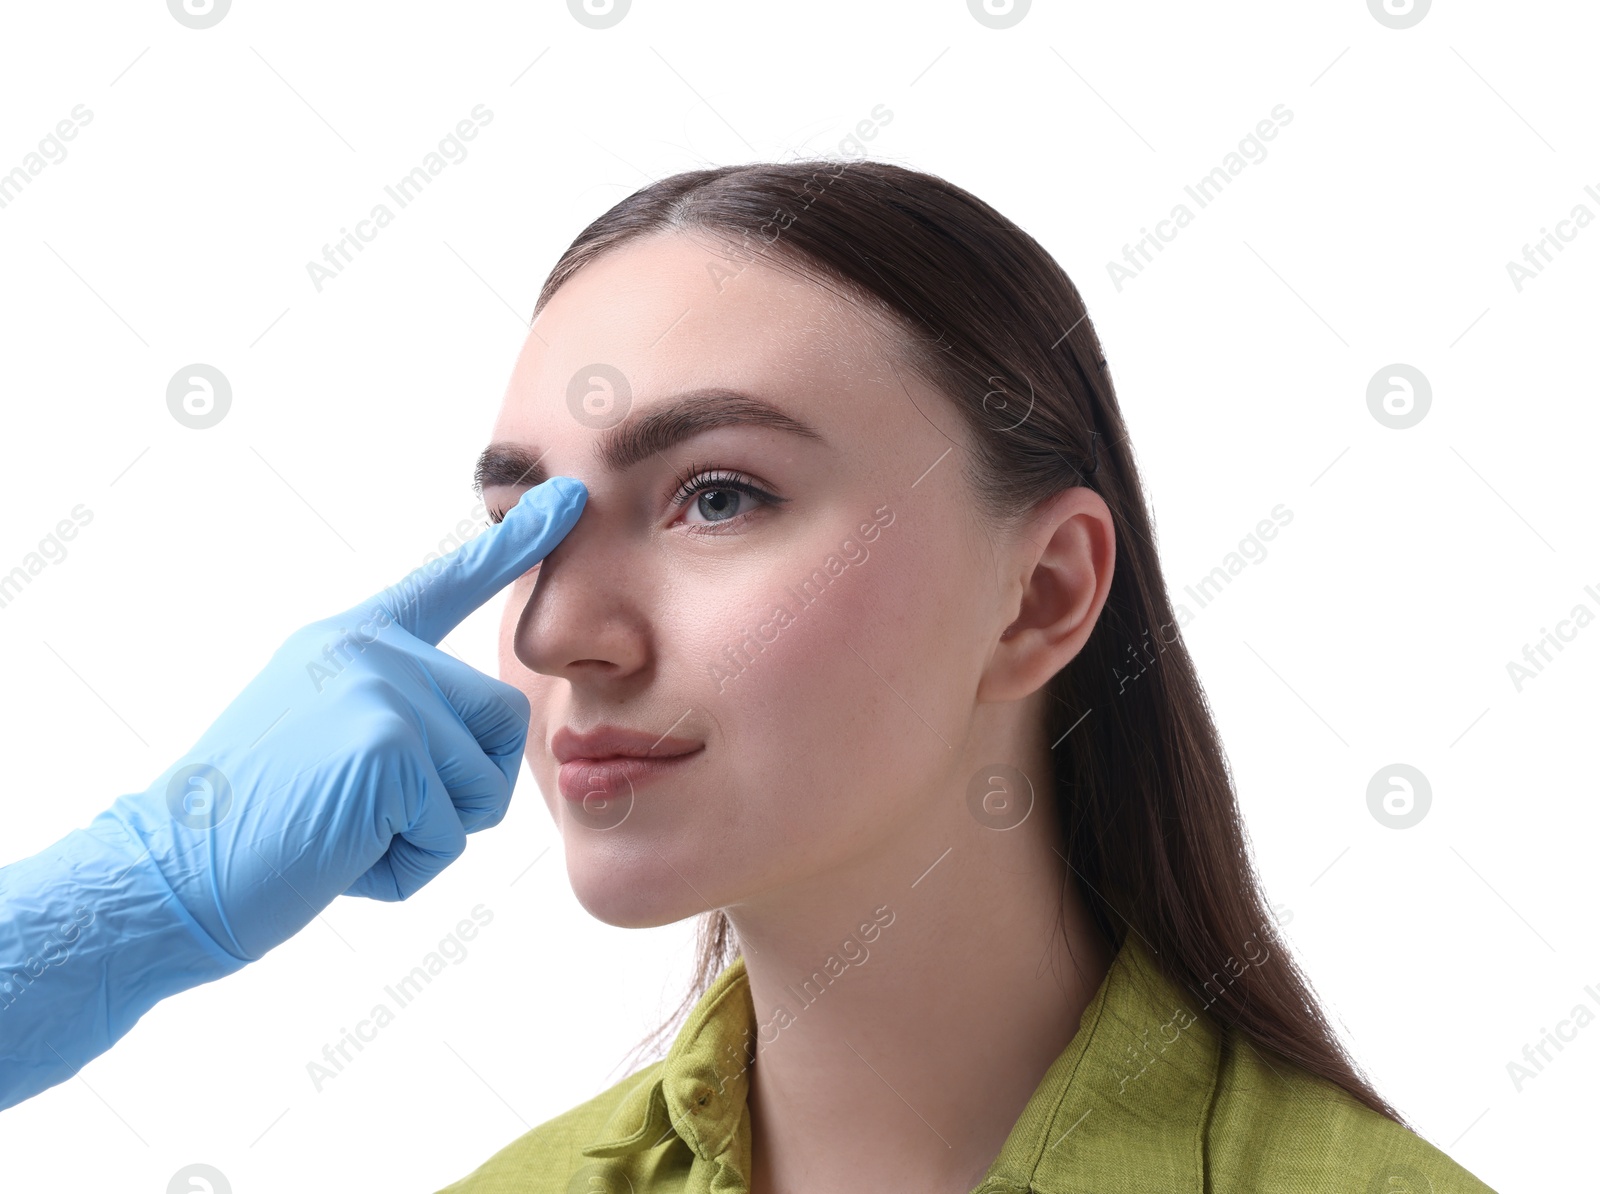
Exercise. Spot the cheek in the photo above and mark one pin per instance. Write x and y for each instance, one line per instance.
(838, 692)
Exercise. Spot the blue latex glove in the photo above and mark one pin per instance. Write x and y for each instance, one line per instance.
(356, 762)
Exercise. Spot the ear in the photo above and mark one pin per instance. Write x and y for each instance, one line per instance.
(1061, 563)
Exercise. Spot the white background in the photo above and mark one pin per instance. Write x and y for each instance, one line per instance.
(1418, 562)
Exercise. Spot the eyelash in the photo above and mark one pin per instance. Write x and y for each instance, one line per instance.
(697, 479)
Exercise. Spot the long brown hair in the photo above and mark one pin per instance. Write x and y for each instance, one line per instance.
(1151, 827)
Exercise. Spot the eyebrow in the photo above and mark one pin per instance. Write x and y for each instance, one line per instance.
(635, 440)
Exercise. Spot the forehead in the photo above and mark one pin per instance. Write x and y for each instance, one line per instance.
(677, 312)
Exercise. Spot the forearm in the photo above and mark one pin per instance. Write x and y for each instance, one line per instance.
(91, 938)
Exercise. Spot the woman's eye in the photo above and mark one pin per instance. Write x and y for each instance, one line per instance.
(719, 505)
(714, 499)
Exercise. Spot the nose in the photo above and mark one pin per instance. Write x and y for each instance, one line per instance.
(586, 617)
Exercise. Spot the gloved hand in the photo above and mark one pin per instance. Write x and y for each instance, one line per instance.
(356, 762)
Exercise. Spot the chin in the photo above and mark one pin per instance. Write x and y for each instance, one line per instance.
(637, 894)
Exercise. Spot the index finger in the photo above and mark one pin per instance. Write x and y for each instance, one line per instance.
(434, 599)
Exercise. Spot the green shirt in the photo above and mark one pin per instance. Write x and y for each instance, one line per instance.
(1147, 1096)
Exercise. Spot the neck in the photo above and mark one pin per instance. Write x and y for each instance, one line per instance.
(909, 1004)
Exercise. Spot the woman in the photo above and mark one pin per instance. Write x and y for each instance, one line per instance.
(861, 650)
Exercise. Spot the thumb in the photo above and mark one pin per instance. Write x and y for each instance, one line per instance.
(434, 599)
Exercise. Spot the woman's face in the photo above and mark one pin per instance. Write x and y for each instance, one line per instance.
(818, 656)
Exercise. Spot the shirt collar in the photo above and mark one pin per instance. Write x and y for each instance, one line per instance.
(700, 1088)
(1121, 1110)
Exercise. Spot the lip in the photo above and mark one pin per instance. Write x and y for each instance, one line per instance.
(610, 762)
